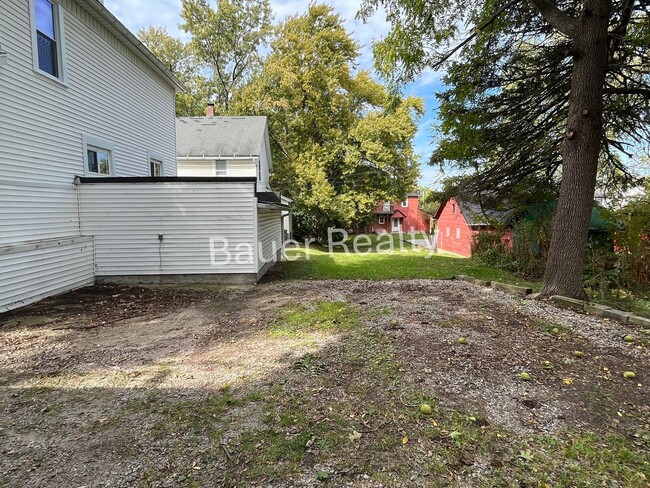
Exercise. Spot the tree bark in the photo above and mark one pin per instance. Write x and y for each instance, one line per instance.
(580, 151)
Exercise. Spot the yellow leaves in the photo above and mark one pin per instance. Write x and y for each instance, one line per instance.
(567, 381)
(405, 440)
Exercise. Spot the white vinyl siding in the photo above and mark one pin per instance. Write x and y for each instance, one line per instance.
(236, 167)
(269, 236)
(126, 220)
(109, 91)
(34, 270)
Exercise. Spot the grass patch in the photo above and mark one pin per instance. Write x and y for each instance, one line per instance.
(296, 321)
(406, 264)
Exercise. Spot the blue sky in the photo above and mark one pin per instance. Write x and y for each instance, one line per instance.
(143, 13)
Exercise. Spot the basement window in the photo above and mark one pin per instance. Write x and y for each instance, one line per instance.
(47, 38)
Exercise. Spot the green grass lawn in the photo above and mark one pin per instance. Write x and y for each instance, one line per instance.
(404, 264)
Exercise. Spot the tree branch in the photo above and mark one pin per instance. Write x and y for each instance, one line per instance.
(629, 91)
(476, 31)
(559, 20)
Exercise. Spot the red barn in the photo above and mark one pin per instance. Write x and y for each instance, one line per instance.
(458, 222)
(403, 216)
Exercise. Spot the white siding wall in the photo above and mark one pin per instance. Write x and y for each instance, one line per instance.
(269, 236)
(126, 220)
(110, 93)
(33, 271)
(236, 167)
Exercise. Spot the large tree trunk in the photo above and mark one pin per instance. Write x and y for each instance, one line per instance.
(580, 151)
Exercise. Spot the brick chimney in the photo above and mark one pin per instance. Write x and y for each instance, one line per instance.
(209, 110)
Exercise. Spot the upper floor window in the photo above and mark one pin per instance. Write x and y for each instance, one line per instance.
(220, 167)
(453, 208)
(386, 206)
(47, 33)
(405, 203)
(99, 160)
(99, 156)
(155, 167)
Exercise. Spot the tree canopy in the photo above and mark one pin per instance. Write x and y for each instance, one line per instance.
(341, 143)
(538, 91)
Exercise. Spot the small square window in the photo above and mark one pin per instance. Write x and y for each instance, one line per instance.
(155, 167)
(382, 219)
(405, 203)
(99, 161)
(220, 167)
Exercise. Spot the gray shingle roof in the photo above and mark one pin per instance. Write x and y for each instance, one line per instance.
(474, 215)
(219, 137)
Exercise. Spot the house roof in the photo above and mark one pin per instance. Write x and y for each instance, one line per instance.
(475, 215)
(108, 20)
(220, 137)
(399, 214)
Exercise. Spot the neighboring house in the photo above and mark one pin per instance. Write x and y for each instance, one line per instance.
(88, 186)
(235, 149)
(404, 216)
(457, 222)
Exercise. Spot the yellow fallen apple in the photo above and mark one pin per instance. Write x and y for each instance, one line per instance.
(426, 409)
(578, 354)
(629, 338)
(630, 375)
(555, 330)
(525, 376)
(462, 340)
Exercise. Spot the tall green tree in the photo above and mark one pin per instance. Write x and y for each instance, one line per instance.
(227, 40)
(178, 56)
(540, 90)
(340, 142)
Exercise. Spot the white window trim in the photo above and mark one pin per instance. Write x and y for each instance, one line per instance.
(382, 219)
(93, 141)
(405, 203)
(386, 206)
(60, 43)
(156, 157)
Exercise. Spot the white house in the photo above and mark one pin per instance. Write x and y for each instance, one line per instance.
(88, 186)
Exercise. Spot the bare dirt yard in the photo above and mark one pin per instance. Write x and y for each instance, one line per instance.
(304, 383)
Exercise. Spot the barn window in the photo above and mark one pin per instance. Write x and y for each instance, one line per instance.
(447, 231)
(457, 232)
(47, 38)
(453, 208)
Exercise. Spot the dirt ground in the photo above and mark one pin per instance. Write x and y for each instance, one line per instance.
(264, 385)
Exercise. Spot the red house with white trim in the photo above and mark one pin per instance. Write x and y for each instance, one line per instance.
(404, 216)
(458, 222)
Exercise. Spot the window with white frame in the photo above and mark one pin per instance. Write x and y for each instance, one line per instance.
(457, 232)
(98, 155)
(155, 167)
(220, 167)
(386, 206)
(382, 219)
(47, 38)
(405, 203)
